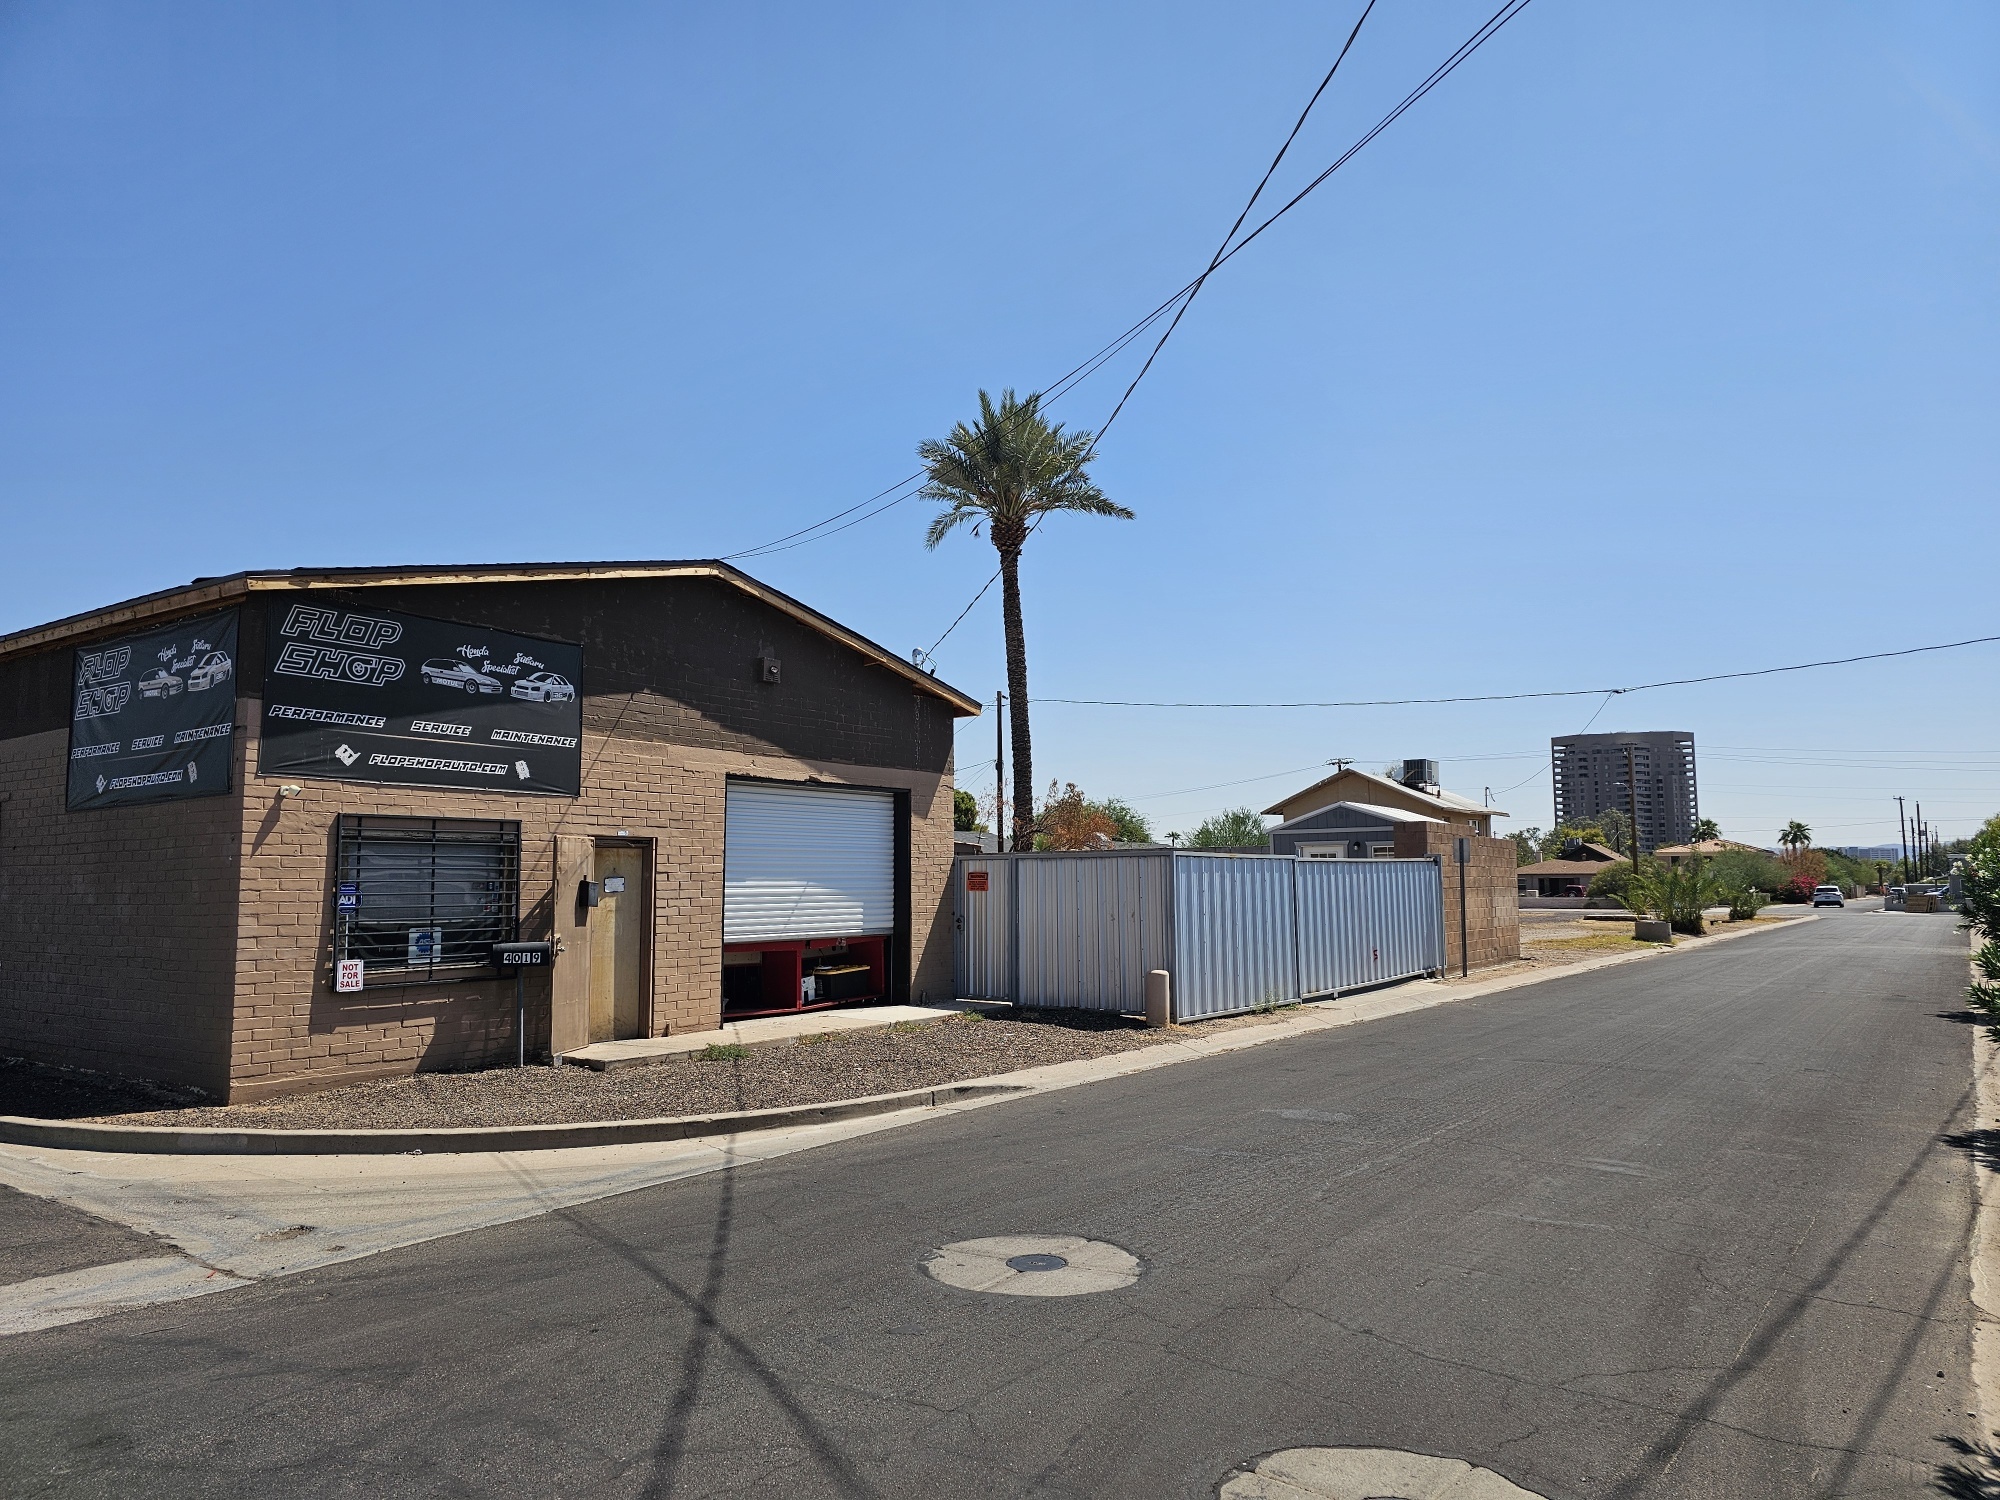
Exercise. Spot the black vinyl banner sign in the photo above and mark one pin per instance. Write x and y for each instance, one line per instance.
(375, 696)
(153, 716)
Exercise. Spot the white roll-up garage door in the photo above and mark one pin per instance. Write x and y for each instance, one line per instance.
(807, 861)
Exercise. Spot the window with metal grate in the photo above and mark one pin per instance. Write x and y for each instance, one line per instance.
(418, 900)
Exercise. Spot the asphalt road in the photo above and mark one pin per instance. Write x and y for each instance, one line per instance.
(1690, 1227)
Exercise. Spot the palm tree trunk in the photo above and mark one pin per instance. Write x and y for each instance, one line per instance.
(1017, 699)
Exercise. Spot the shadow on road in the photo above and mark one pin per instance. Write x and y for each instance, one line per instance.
(697, 1355)
(1660, 1457)
(1982, 1145)
(1976, 1475)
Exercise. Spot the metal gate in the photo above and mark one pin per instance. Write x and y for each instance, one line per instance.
(1366, 922)
(1235, 932)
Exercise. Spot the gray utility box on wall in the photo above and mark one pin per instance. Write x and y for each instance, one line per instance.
(1236, 931)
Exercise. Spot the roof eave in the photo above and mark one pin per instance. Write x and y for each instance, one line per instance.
(205, 593)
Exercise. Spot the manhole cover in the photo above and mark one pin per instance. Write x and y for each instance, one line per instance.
(1034, 1265)
(1035, 1262)
(1366, 1474)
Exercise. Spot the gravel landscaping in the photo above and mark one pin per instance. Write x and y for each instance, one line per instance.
(811, 1070)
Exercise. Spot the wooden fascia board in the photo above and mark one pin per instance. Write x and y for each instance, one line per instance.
(224, 590)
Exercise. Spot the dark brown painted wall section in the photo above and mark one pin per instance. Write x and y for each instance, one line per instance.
(675, 660)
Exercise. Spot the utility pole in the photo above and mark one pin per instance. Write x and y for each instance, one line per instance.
(1000, 771)
(1903, 837)
(1632, 804)
(1919, 826)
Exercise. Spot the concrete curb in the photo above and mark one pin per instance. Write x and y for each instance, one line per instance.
(68, 1135)
(1314, 1015)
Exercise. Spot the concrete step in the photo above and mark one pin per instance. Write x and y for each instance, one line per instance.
(604, 1057)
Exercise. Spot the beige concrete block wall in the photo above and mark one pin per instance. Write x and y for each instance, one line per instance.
(117, 925)
(1493, 907)
(293, 1031)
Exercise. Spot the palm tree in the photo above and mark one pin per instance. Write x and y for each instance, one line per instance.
(1010, 470)
(1706, 831)
(1796, 837)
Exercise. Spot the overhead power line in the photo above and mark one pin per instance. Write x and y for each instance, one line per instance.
(1077, 374)
(1589, 692)
(1437, 75)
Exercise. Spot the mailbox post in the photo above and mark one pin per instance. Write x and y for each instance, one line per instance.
(521, 957)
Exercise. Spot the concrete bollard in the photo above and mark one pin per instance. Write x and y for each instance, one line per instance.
(1159, 999)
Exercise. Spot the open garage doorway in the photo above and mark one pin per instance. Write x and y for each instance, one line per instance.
(809, 896)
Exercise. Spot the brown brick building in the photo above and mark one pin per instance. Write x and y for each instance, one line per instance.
(734, 796)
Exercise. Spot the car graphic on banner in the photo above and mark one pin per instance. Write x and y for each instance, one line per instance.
(211, 669)
(543, 687)
(460, 674)
(159, 683)
(146, 724)
(354, 693)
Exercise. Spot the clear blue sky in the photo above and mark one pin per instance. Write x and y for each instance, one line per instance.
(1659, 340)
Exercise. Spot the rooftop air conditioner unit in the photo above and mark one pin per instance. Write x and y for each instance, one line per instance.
(1420, 773)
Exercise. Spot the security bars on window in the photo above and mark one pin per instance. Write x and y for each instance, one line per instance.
(419, 900)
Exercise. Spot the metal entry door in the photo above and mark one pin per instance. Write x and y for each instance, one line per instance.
(618, 932)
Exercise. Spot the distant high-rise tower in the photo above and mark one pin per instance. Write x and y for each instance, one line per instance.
(1590, 771)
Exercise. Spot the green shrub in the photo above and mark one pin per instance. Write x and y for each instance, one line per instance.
(723, 1052)
(1981, 909)
(1613, 883)
(1745, 903)
(1677, 894)
(1748, 870)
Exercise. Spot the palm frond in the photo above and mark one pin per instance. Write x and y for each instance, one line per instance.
(1012, 465)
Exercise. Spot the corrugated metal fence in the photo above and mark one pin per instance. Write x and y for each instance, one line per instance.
(1236, 932)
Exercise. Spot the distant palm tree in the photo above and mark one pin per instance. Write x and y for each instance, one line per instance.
(1706, 831)
(1009, 470)
(1796, 837)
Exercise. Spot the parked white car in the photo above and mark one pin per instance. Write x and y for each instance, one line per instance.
(1828, 895)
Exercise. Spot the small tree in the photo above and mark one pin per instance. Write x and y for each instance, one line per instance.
(1070, 821)
(965, 812)
(1527, 845)
(1706, 831)
(1130, 825)
(1616, 829)
(1238, 828)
